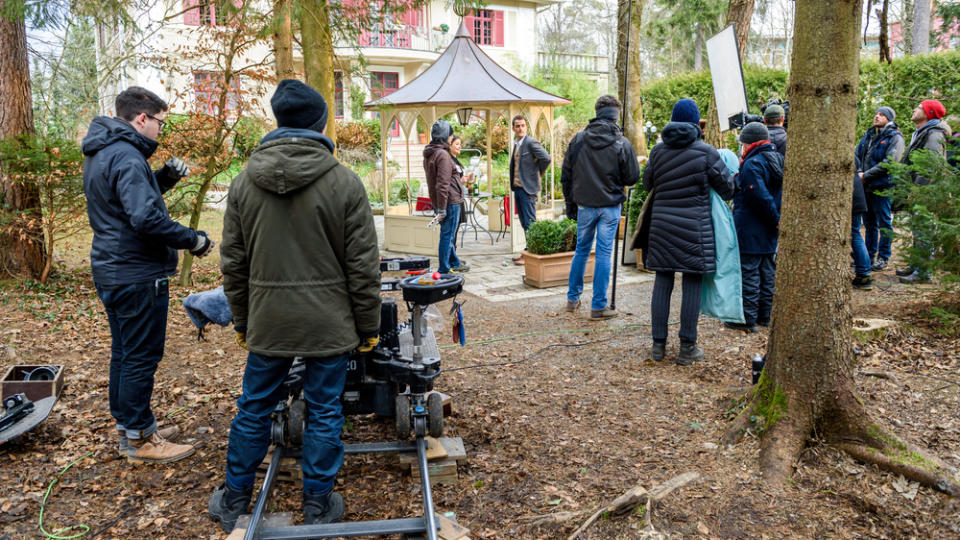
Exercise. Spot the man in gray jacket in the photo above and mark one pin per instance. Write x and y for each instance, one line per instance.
(301, 272)
(527, 164)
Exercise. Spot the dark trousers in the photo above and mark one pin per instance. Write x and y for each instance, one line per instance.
(262, 389)
(526, 207)
(138, 328)
(878, 223)
(758, 274)
(689, 306)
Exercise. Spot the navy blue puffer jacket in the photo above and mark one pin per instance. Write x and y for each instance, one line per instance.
(134, 239)
(680, 172)
(756, 208)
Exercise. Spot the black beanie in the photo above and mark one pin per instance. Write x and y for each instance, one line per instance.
(296, 105)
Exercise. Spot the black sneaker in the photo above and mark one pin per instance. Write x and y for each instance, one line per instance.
(880, 264)
(905, 272)
(463, 268)
(658, 351)
(864, 283)
(748, 328)
(326, 508)
(689, 353)
(915, 278)
(227, 504)
(765, 324)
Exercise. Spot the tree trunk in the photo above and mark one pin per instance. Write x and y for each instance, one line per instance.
(884, 39)
(21, 239)
(807, 385)
(317, 44)
(921, 27)
(283, 40)
(906, 26)
(630, 82)
(739, 13)
(698, 49)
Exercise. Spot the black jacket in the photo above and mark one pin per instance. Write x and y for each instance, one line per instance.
(134, 239)
(678, 175)
(598, 164)
(778, 136)
(877, 147)
(859, 197)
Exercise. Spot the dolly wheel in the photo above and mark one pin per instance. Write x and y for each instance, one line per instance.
(402, 416)
(435, 414)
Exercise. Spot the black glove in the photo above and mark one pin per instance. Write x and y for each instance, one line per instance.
(176, 168)
(204, 245)
(571, 210)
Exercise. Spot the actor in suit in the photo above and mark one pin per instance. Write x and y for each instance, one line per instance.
(527, 164)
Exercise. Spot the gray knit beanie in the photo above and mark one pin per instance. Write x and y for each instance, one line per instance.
(888, 112)
(753, 132)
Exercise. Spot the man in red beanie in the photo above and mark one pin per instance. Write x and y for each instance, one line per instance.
(931, 134)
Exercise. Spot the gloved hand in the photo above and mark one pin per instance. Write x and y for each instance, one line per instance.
(368, 344)
(177, 168)
(204, 245)
(242, 339)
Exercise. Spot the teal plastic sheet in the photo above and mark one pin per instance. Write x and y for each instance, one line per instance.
(722, 293)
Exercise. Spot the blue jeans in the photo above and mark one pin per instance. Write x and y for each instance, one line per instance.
(879, 226)
(138, 328)
(262, 390)
(448, 233)
(758, 273)
(602, 223)
(526, 206)
(861, 259)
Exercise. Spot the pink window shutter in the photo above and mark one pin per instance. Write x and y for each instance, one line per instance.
(498, 28)
(468, 21)
(191, 15)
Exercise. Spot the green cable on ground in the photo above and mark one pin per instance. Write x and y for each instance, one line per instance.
(552, 332)
(55, 536)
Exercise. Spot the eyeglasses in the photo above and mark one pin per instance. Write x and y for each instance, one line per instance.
(159, 121)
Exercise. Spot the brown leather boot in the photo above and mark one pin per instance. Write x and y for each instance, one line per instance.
(156, 449)
(169, 433)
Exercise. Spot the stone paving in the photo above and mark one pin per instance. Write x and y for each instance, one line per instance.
(494, 278)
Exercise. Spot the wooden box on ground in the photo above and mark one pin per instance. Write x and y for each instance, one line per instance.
(289, 470)
(441, 471)
(13, 383)
(543, 271)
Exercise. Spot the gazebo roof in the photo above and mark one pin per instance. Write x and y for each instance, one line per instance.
(464, 74)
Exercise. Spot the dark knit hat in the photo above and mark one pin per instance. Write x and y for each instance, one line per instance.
(753, 132)
(685, 110)
(773, 112)
(888, 112)
(296, 105)
(933, 109)
(441, 131)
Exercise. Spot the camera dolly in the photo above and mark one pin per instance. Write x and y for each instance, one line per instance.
(393, 380)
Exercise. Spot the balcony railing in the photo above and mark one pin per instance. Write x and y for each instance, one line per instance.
(405, 37)
(581, 63)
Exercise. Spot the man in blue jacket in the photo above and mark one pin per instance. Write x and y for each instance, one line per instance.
(881, 144)
(134, 251)
(756, 213)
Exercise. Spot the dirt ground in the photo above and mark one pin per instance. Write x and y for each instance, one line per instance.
(574, 415)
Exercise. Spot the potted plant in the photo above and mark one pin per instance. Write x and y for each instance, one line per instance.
(421, 131)
(550, 249)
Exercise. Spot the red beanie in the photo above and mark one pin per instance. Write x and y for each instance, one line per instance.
(933, 109)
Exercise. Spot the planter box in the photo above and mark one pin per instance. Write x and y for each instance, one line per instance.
(543, 271)
(13, 383)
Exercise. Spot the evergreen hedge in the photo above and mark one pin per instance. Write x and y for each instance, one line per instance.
(901, 85)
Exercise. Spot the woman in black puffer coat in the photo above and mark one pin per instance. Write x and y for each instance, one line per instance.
(679, 174)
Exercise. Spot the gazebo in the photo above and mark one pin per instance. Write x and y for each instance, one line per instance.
(466, 81)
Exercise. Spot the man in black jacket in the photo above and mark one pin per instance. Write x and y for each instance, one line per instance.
(881, 144)
(134, 251)
(773, 117)
(598, 164)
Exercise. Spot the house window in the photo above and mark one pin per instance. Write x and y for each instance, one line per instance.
(384, 83)
(338, 94)
(207, 86)
(486, 26)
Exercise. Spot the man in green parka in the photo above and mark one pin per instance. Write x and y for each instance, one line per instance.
(301, 272)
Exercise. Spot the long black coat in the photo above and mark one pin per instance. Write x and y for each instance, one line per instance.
(679, 173)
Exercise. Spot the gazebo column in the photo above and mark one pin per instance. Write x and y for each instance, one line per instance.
(489, 157)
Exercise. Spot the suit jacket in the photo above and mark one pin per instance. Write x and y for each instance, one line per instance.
(534, 160)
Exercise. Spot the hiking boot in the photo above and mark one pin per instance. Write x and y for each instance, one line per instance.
(602, 314)
(319, 509)
(915, 278)
(572, 306)
(864, 283)
(905, 272)
(156, 449)
(227, 504)
(746, 327)
(169, 433)
(689, 353)
(463, 268)
(880, 264)
(658, 351)
(765, 324)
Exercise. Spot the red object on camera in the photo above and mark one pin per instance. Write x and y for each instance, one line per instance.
(436, 276)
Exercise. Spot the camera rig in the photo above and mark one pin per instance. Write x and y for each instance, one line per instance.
(737, 121)
(393, 380)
